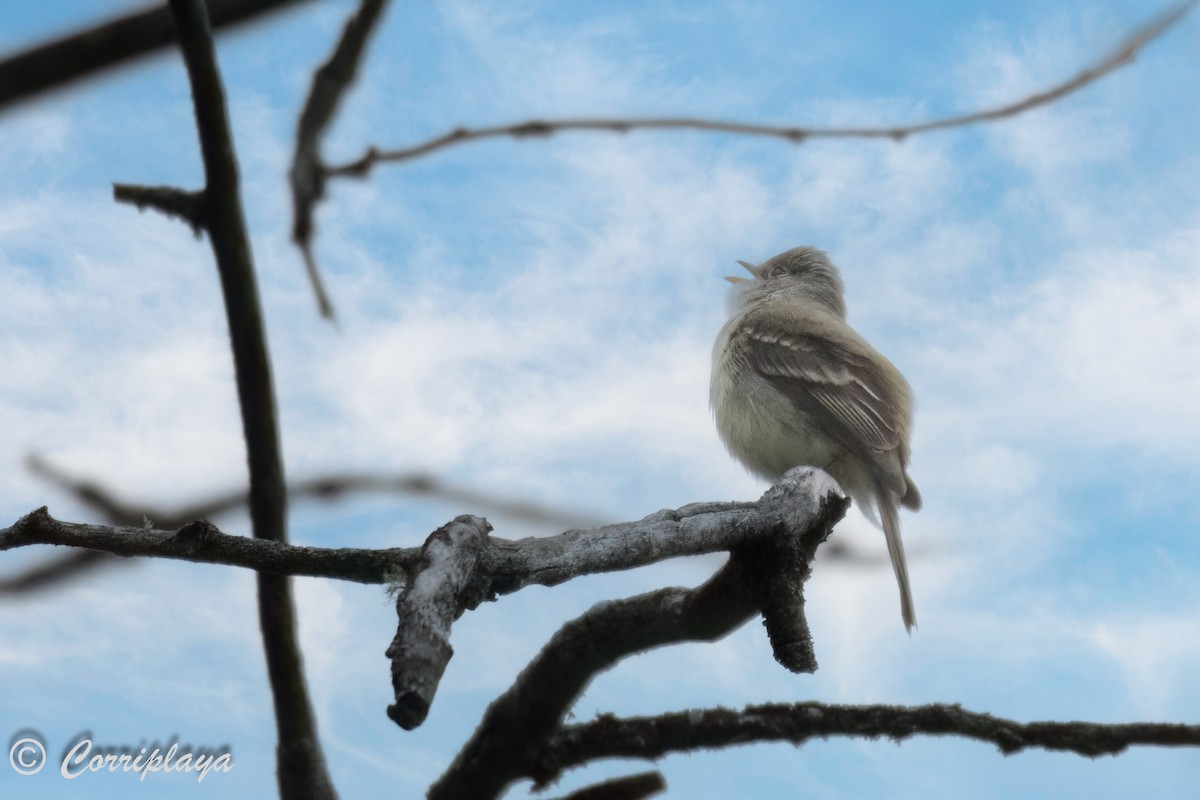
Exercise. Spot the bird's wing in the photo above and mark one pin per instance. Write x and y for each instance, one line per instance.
(836, 377)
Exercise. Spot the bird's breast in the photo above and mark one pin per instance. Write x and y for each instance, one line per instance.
(759, 425)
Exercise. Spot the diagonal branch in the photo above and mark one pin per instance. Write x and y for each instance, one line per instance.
(1124, 54)
(63, 61)
(307, 174)
(654, 737)
(449, 577)
(520, 720)
(301, 765)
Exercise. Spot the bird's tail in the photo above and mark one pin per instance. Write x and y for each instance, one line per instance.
(890, 517)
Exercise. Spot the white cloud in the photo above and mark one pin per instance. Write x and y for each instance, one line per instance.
(1155, 655)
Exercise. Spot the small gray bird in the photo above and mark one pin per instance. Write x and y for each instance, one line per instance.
(794, 385)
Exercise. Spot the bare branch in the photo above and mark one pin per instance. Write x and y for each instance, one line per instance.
(553, 559)
(88, 52)
(301, 767)
(503, 747)
(202, 542)
(654, 737)
(630, 787)
(802, 495)
(518, 721)
(178, 203)
(307, 174)
(449, 578)
(1124, 54)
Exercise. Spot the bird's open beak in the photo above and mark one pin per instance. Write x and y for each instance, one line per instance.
(751, 268)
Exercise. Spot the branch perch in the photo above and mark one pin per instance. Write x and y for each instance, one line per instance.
(694, 529)
(504, 746)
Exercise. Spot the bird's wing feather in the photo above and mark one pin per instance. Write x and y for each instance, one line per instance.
(834, 377)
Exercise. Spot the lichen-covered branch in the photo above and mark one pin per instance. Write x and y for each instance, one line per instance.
(687, 731)
(1122, 55)
(449, 577)
(504, 746)
(804, 494)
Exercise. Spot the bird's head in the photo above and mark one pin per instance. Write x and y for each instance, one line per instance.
(805, 270)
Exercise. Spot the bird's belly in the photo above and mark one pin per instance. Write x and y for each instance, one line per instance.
(765, 431)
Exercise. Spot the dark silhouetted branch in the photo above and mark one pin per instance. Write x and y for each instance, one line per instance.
(1124, 54)
(88, 52)
(654, 737)
(300, 766)
(630, 787)
(178, 203)
(307, 174)
(517, 722)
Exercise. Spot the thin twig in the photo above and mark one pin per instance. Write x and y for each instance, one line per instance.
(201, 542)
(86, 53)
(1124, 54)
(307, 176)
(654, 737)
(53, 572)
(301, 767)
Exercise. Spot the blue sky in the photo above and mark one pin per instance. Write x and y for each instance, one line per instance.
(534, 318)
